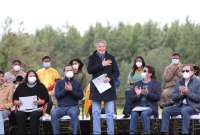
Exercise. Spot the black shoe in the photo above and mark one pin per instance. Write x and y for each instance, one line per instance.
(161, 106)
(166, 104)
(126, 116)
(164, 133)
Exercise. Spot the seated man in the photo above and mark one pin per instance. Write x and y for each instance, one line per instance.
(6, 93)
(146, 95)
(186, 96)
(67, 92)
(16, 70)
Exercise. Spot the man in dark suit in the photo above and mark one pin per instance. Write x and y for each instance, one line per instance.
(186, 96)
(101, 62)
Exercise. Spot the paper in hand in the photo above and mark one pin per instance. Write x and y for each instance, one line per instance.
(140, 108)
(100, 83)
(28, 103)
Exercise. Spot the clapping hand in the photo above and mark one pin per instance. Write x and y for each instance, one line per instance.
(145, 90)
(68, 86)
(138, 91)
(183, 89)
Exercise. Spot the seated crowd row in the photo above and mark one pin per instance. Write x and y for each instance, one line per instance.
(180, 94)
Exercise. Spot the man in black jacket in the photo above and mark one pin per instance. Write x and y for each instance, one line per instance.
(101, 62)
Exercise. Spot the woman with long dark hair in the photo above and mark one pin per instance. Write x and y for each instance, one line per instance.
(135, 74)
(31, 87)
(133, 77)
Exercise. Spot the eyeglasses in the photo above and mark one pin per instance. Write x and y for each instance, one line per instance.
(185, 71)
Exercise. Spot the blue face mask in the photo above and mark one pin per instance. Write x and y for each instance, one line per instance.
(46, 64)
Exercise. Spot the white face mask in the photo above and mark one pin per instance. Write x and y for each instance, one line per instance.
(143, 75)
(186, 75)
(69, 74)
(75, 66)
(46, 64)
(31, 80)
(138, 64)
(175, 61)
(16, 67)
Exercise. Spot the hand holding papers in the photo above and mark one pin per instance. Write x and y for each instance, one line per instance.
(101, 84)
(28, 103)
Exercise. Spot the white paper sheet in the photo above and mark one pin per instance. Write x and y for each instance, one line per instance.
(27, 104)
(100, 84)
(139, 108)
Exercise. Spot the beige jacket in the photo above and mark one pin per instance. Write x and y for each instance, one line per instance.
(172, 73)
(6, 94)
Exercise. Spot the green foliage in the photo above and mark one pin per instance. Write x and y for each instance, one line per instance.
(124, 71)
(125, 42)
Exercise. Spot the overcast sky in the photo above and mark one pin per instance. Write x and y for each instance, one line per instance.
(82, 13)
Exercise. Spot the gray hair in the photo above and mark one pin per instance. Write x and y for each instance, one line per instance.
(101, 41)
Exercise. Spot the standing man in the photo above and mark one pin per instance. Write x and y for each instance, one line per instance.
(6, 93)
(171, 74)
(48, 76)
(68, 92)
(101, 62)
(186, 97)
(15, 71)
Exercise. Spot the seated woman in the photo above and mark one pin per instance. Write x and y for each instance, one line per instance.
(30, 87)
(146, 95)
(133, 77)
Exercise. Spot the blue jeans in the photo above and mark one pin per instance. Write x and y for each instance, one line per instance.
(3, 115)
(96, 112)
(145, 117)
(58, 112)
(185, 111)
